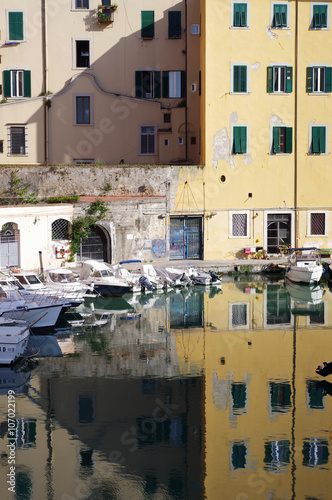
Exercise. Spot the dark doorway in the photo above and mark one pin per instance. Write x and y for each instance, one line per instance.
(95, 246)
(278, 232)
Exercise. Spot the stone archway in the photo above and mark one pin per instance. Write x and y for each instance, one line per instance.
(97, 246)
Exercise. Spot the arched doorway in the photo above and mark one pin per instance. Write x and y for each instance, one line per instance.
(9, 245)
(278, 232)
(97, 246)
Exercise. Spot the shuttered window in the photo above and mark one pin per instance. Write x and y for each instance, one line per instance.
(174, 84)
(279, 79)
(282, 140)
(17, 83)
(319, 18)
(174, 24)
(239, 140)
(148, 84)
(15, 21)
(318, 140)
(319, 79)
(147, 27)
(240, 15)
(240, 78)
(279, 19)
(147, 138)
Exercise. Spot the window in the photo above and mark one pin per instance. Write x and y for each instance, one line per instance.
(166, 142)
(195, 29)
(82, 54)
(279, 79)
(60, 229)
(318, 139)
(148, 84)
(239, 143)
(174, 84)
(319, 16)
(317, 223)
(147, 26)
(17, 140)
(174, 24)
(280, 396)
(81, 4)
(239, 316)
(167, 117)
(239, 397)
(180, 141)
(319, 79)
(16, 83)
(15, 26)
(83, 111)
(239, 226)
(240, 15)
(282, 140)
(1, 146)
(147, 140)
(279, 15)
(239, 78)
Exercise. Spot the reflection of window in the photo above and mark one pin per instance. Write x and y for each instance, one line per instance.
(280, 396)
(318, 318)
(277, 455)
(239, 315)
(60, 229)
(85, 409)
(239, 397)
(239, 455)
(315, 395)
(26, 432)
(315, 452)
(278, 305)
(86, 463)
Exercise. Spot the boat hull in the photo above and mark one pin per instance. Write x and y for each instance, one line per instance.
(111, 290)
(307, 275)
(12, 344)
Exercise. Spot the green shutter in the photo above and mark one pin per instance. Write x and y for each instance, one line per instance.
(239, 78)
(240, 15)
(200, 82)
(27, 83)
(288, 139)
(328, 79)
(156, 84)
(6, 84)
(165, 83)
(276, 143)
(183, 84)
(279, 16)
(319, 16)
(15, 25)
(240, 140)
(315, 139)
(322, 139)
(309, 79)
(269, 79)
(174, 24)
(147, 30)
(138, 84)
(289, 79)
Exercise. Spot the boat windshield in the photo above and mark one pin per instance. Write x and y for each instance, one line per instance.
(62, 278)
(106, 273)
(32, 279)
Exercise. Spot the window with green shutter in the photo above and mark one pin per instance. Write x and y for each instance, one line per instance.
(174, 84)
(147, 27)
(148, 84)
(319, 17)
(174, 24)
(279, 19)
(318, 139)
(319, 79)
(282, 140)
(240, 78)
(239, 140)
(279, 79)
(15, 22)
(17, 83)
(240, 15)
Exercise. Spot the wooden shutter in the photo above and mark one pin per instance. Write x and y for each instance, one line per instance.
(147, 30)
(240, 15)
(165, 83)
(156, 84)
(138, 84)
(240, 140)
(27, 83)
(328, 79)
(289, 79)
(15, 25)
(322, 139)
(288, 139)
(309, 79)
(276, 142)
(269, 79)
(6, 84)
(239, 78)
(174, 24)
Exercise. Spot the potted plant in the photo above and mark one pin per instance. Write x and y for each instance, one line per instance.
(105, 13)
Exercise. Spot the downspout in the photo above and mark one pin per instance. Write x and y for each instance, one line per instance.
(295, 122)
(186, 73)
(45, 79)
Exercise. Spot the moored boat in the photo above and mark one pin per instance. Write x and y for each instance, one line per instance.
(100, 276)
(304, 265)
(14, 336)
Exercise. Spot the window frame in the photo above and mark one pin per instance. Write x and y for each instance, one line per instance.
(312, 21)
(310, 77)
(155, 129)
(75, 121)
(232, 24)
(318, 125)
(246, 127)
(326, 221)
(230, 223)
(288, 79)
(10, 142)
(247, 66)
(8, 39)
(80, 9)
(288, 139)
(272, 26)
(74, 49)
(8, 83)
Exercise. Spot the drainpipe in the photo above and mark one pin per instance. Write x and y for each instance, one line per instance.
(45, 79)
(186, 72)
(295, 121)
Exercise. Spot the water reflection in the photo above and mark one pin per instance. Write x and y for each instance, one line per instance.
(191, 394)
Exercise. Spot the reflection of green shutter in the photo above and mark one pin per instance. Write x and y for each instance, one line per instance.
(309, 79)
(289, 79)
(239, 454)
(328, 79)
(174, 24)
(269, 79)
(239, 395)
(276, 143)
(6, 84)
(15, 25)
(138, 84)
(156, 84)
(147, 30)
(288, 139)
(165, 83)
(27, 83)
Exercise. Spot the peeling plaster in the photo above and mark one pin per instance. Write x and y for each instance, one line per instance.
(233, 117)
(255, 66)
(270, 34)
(221, 148)
(275, 119)
(247, 160)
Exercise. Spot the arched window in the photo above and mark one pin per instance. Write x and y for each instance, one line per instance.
(60, 229)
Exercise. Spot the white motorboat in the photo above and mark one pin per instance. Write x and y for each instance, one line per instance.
(304, 265)
(14, 336)
(142, 277)
(202, 278)
(100, 277)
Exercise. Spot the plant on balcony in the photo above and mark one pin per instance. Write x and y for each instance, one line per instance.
(105, 13)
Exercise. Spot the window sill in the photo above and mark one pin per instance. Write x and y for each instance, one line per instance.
(239, 93)
(279, 93)
(318, 93)
(147, 154)
(279, 28)
(319, 29)
(146, 38)
(239, 27)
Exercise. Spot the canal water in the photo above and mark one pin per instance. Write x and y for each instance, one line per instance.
(193, 394)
